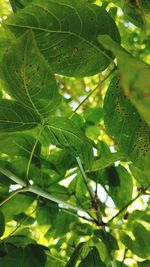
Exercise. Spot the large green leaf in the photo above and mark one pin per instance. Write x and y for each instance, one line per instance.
(66, 33)
(14, 117)
(92, 259)
(134, 76)
(18, 145)
(31, 255)
(29, 76)
(124, 123)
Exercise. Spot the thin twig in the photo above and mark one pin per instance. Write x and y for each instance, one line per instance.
(32, 154)
(124, 256)
(89, 188)
(127, 205)
(93, 91)
(24, 189)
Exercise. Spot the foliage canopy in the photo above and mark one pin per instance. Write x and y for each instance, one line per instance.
(74, 133)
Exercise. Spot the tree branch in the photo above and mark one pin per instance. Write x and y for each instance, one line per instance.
(38, 191)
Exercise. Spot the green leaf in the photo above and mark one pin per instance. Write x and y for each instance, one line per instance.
(106, 160)
(19, 4)
(66, 33)
(124, 123)
(63, 133)
(32, 255)
(92, 259)
(29, 77)
(18, 145)
(75, 255)
(14, 117)
(119, 182)
(142, 239)
(134, 76)
(142, 178)
(2, 223)
(16, 205)
(144, 264)
(134, 13)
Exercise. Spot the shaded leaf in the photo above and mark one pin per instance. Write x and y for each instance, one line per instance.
(19, 4)
(29, 76)
(75, 255)
(124, 123)
(32, 255)
(67, 35)
(14, 117)
(2, 223)
(144, 264)
(18, 145)
(16, 205)
(92, 259)
(134, 76)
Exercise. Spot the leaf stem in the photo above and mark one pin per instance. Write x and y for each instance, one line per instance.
(31, 155)
(93, 91)
(89, 188)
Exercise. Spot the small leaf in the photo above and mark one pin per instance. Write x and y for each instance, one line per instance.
(14, 117)
(124, 123)
(29, 77)
(134, 76)
(106, 160)
(92, 259)
(75, 255)
(66, 34)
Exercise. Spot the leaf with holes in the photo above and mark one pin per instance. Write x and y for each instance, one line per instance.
(14, 117)
(29, 77)
(66, 33)
(124, 123)
(134, 76)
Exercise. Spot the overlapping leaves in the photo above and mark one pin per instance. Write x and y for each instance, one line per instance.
(66, 34)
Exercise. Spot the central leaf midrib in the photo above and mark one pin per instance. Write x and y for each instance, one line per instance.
(65, 32)
(24, 81)
(64, 130)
